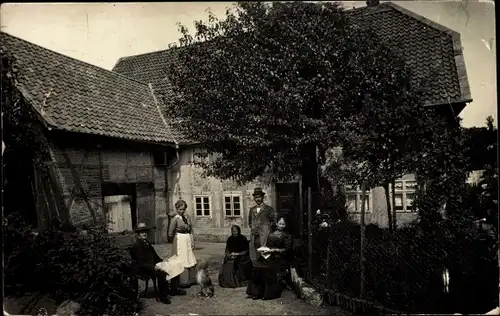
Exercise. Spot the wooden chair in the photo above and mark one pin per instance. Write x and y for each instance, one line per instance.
(145, 278)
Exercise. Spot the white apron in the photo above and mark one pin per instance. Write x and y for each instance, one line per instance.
(183, 245)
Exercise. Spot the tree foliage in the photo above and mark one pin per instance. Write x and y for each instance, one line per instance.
(271, 79)
(22, 149)
(477, 141)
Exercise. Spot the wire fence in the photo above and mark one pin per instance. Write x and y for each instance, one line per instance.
(402, 271)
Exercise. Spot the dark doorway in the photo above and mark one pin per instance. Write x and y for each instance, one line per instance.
(288, 205)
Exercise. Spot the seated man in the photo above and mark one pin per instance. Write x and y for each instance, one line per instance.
(146, 258)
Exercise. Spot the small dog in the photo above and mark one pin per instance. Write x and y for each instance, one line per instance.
(203, 279)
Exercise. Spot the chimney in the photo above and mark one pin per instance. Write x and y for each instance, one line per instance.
(372, 3)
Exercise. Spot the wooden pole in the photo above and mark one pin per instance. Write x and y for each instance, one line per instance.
(362, 244)
(309, 230)
(328, 262)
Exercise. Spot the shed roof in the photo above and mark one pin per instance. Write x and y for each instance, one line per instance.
(74, 96)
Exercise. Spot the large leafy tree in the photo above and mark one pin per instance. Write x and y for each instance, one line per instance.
(272, 85)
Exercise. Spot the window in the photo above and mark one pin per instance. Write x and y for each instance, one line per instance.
(159, 158)
(199, 151)
(202, 205)
(404, 195)
(232, 204)
(354, 200)
(205, 158)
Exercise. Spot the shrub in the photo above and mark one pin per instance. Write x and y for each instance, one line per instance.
(86, 266)
(18, 237)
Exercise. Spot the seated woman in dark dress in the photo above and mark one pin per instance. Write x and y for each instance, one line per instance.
(237, 266)
(269, 274)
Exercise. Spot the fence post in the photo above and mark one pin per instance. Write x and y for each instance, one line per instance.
(362, 243)
(328, 263)
(309, 231)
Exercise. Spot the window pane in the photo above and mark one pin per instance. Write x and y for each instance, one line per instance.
(199, 213)
(236, 199)
(411, 185)
(236, 206)
(228, 211)
(399, 202)
(206, 206)
(198, 206)
(367, 202)
(409, 201)
(227, 199)
(236, 212)
(206, 200)
(198, 200)
(207, 212)
(228, 206)
(351, 202)
(398, 185)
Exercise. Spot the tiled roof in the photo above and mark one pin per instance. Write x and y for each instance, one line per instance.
(433, 52)
(74, 96)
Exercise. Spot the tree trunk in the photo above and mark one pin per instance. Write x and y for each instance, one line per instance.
(388, 202)
(394, 218)
(362, 243)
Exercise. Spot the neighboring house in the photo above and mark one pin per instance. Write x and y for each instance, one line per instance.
(433, 52)
(109, 148)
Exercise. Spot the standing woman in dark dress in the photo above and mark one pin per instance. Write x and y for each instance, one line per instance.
(269, 274)
(237, 266)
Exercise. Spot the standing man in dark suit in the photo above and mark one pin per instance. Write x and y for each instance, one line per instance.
(261, 219)
(146, 258)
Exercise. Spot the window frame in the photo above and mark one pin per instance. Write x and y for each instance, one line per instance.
(232, 196)
(404, 191)
(202, 196)
(196, 160)
(356, 190)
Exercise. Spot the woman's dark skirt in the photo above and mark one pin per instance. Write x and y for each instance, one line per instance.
(268, 282)
(235, 272)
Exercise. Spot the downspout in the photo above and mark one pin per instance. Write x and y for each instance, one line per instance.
(177, 156)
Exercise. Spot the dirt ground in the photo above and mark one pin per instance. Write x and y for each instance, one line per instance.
(228, 301)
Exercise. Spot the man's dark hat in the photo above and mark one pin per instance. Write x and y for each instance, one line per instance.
(141, 227)
(258, 192)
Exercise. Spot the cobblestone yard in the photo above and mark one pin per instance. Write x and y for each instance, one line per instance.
(228, 301)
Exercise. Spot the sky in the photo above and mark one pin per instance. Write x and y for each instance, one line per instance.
(101, 33)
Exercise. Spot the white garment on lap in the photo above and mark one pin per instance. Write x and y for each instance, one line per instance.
(184, 250)
(173, 266)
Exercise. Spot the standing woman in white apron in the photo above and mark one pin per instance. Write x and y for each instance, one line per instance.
(181, 230)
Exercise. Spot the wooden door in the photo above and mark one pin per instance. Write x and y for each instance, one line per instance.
(145, 205)
(288, 205)
(118, 213)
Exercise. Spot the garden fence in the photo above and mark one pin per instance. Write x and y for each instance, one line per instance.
(406, 270)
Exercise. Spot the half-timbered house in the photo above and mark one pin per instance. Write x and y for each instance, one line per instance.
(108, 147)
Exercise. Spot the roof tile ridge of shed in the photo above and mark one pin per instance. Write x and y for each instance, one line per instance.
(423, 19)
(77, 60)
(143, 54)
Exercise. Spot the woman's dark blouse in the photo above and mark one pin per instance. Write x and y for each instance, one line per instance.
(236, 244)
(282, 240)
